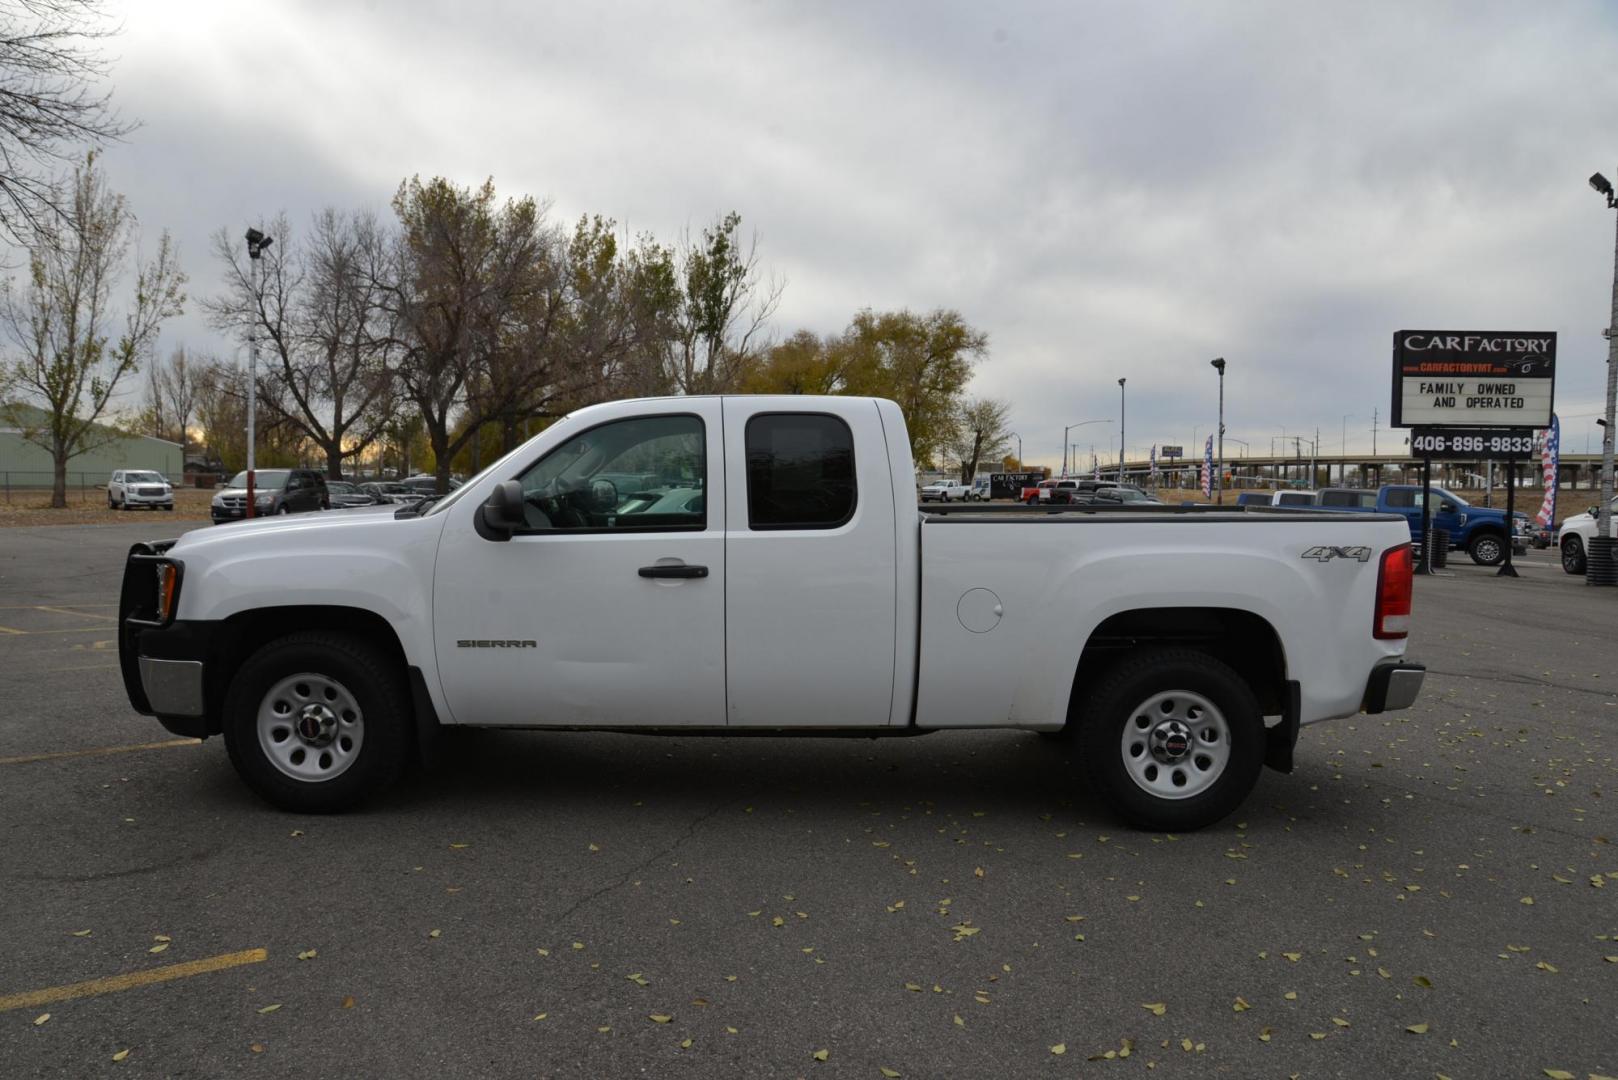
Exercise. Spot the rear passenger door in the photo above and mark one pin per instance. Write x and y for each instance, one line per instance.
(811, 564)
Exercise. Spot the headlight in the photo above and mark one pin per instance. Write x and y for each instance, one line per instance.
(265, 500)
(218, 500)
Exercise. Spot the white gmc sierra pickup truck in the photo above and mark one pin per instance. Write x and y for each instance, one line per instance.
(759, 563)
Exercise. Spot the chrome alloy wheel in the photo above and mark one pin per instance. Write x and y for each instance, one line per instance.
(1175, 744)
(310, 727)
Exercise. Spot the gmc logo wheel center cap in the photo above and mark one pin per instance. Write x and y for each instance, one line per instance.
(1171, 741)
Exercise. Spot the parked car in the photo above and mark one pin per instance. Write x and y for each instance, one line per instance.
(1577, 532)
(391, 492)
(946, 491)
(1293, 497)
(344, 494)
(1361, 498)
(275, 491)
(805, 592)
(1256, 498)
(1058, 491)
(425, 485)
(982, 488)
(131, 488)
(1120, 494)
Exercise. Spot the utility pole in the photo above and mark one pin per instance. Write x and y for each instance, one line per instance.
(1121, 444)
(1373, 432)
(1219, 472)
(1609, 573)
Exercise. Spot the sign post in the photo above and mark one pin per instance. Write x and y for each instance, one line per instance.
(1473, 395)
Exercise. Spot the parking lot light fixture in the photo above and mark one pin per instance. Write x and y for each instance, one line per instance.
(1122, 452)
(1068, 428)
(1604, 511)
(256, 243)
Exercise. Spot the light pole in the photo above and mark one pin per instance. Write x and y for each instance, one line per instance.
(1600, 564)
(1219, 475)
(1122, 452)
(256, 243)
(1068, 428)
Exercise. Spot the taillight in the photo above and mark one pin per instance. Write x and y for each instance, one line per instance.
(1395, 579)
(168, 581)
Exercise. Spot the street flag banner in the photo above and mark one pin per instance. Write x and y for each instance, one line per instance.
(1549, 458)
(1154, 464)
(1207, 469)
(1095, 467)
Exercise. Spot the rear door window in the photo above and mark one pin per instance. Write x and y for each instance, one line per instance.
(800, 471)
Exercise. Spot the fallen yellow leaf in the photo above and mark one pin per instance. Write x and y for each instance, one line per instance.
(81, 933)
(1264, 1035)
(1241, 1005)
(308, 954)
(348, 1002)
(1418, 1029)
(120, 1055)
(659, 1018)
(41, 1018)
(1059, 1049)
(891, 1074)
(1559, 1074)
(435, 933)
(541, 1016)
(257, 1048)
(159, 947)
(821, 1055)
(268, 1009)
(685, 1044)
(1156, 1008)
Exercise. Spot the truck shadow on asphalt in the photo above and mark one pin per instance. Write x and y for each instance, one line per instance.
(1019, 773)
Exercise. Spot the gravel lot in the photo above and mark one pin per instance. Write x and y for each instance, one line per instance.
(1431, 892)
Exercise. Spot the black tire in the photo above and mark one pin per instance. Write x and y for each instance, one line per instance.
(375, 681)
(1487, 549)
(1106, 712)
(1573, 561)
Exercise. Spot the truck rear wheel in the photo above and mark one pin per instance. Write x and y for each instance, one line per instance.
(1173, 740)
(1573, 555)
(1487, 549)
(317, 722)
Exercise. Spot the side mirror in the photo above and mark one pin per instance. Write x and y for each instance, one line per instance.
(1447, 507)
(603, 496)
(1594, 511)
(502, 515)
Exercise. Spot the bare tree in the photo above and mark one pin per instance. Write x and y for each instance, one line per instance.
(178, 382)
(50, 62)
(982, 434)
(319, 311)
(61, 320)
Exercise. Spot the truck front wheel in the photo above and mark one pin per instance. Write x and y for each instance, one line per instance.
(1573, 555)
(317, 722)
(1173, 740)
(1486, 549)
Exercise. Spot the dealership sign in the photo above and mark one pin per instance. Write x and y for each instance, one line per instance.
(1473, 378)
(1173, 451)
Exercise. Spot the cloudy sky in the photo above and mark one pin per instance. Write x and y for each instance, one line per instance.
(1107, 189)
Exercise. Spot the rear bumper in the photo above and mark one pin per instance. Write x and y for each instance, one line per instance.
(1394, 684)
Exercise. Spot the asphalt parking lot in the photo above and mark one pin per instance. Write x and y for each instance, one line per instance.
(1431, 892)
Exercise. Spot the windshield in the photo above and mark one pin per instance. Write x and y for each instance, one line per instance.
(262, 478)
(142, 478)
(1451, 496)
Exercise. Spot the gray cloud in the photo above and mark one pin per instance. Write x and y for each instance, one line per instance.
(1106, 188)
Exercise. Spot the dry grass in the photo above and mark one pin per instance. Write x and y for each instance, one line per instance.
(89, 507)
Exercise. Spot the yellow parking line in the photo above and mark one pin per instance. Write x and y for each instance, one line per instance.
(130, 980)
(80, 614)
(98, 751)
(69, 630)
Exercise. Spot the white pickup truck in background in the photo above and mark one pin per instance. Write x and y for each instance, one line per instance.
(947, 491)
(739, 563)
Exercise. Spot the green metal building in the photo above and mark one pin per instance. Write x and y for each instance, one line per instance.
(25, 465)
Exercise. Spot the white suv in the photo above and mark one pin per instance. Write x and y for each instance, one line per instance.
(1577, 532)
(130, 488)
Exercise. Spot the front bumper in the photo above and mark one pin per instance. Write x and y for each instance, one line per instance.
(148, 500)
(1394, 684)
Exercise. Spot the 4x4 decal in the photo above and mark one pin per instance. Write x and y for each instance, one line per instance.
(1327, 554)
